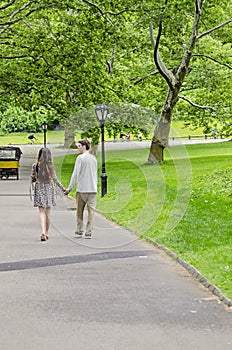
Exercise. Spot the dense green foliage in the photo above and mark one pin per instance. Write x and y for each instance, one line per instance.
(68, 55)
(17, 119)
(185, 203)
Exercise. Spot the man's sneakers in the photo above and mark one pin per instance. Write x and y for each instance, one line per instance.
(88, 235)
(78, 234)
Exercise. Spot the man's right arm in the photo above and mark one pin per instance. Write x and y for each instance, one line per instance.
(74, 177)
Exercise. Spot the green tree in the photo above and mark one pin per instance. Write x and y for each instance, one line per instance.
(69, 55)
(64, 63)
(201, 21)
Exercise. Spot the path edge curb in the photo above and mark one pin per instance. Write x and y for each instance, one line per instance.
(193, 271)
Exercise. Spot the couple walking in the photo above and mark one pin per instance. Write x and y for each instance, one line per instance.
(84, 177)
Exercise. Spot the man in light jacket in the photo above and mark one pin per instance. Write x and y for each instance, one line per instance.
(84, 177)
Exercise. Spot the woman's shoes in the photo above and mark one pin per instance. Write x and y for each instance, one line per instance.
(44, 237)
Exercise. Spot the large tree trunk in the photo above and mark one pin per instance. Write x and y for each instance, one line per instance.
(69, 135)
(93, 150)
(161, 132)
(69, 139)
(175, 80)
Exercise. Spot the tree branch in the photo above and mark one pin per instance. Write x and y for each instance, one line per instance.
(108, 12)
(127, 52)
(95, 6)
(144, 78)
(194, 104)
(214, 28)
(99, 10)
(5, 43)
(168, 75)
(7, 5)
(16, 12)
(12, 57)
(214, 60)
(12, 21)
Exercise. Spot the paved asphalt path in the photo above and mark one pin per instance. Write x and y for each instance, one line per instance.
(113, 292)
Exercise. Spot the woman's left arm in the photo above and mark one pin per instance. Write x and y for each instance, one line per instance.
(55, 179)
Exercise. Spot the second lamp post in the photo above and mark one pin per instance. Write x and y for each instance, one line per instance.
(101, 113)
(44, 125)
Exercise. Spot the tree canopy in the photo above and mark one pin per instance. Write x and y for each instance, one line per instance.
(68, 55)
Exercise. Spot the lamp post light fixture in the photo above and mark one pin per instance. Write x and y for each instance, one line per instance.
(45, 126)
(101, 113)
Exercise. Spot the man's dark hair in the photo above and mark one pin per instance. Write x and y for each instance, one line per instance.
(85, 143)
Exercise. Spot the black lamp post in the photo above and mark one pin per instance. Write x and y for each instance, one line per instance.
(44, 125)
(101, 113)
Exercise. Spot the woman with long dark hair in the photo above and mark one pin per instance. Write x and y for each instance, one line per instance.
(44, 176)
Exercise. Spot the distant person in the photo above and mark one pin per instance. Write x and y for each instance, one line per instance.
(32, 138)
(140, 138)
(128, 136)
(84, 177)
(214, 133)
(43, 175)
(122, 137)
(18, 153)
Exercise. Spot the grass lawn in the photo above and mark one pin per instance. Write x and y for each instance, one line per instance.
(20, 138)
(184, 204)
(57, 136)
(179, 130)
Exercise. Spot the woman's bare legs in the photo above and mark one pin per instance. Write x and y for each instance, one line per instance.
(47, 212)
(42, 219)
(44, 216)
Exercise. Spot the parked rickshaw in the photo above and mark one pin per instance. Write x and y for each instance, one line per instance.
(9, 161)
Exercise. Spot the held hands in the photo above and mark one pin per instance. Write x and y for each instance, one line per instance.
(66, 192)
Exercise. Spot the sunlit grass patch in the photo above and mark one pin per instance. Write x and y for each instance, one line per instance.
(184, 203)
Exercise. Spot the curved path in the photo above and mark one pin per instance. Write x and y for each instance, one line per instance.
(113, 292)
